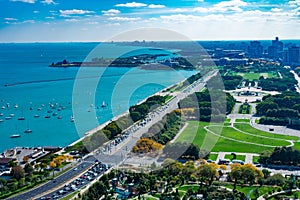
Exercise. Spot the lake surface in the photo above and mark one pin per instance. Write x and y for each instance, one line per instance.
(64, 92)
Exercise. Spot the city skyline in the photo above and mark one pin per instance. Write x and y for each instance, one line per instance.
(58, 21)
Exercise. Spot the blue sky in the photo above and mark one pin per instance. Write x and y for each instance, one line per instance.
(99, 20)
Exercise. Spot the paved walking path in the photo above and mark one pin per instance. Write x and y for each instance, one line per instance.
(283, 130)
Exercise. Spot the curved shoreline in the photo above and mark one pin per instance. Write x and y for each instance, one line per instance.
(101, 126)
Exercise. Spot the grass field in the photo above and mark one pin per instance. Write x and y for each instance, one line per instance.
(249, 129)
(242, 120)
(231, 133)
(196, 133)
(227, 120)
(255, 159)
(255, 76)
(213, 157)
(238, 157)
(246, 190)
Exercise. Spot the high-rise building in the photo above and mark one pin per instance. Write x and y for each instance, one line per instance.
(255, 49)
(293, 55)
(276, 50)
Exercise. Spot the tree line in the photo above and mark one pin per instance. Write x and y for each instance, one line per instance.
(278, 109)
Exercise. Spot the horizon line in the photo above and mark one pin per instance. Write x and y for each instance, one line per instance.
(147, 41)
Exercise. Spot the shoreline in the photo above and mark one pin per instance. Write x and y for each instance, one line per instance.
(101, 126)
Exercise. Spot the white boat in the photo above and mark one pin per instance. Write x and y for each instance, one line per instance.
(7, 118)
(1, 114)
(28, 131)
(103, 104)
(36, 116)
(11, 115)
(59, 117)
(16, 106)
(72, 118)
(21, 118)
(15, 136)
(3, 107)
(1, 120)
(39, 109)
(55, 114)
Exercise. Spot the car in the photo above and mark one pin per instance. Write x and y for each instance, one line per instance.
(75, 169)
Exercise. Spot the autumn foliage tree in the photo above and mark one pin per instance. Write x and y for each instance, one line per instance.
(146, 145)
(18, 172)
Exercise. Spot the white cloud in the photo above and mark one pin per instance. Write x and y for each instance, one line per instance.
(180, 10)
(71, 20)
(200, 1)
(29, 21)
(201, 10)
(24, 1)
(93, 23)
(10, 19)
(156, 6)
(36, 11)
(111, 12)
(276, 9)
(22, 22)
(232, 5)
(48, 2)
(124, 18)
(74, 12)
(50, 17)
(131, 5)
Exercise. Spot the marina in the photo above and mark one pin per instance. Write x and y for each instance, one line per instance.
(34, 97)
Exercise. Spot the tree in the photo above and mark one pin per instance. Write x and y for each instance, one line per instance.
(52, 165)
(236, 173)
(18, 172)
(28, 168)
(207, 173)
(25, 159)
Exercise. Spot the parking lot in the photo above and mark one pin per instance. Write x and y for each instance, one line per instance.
(94, 172)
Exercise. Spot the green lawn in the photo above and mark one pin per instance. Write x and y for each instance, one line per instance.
(242, 120)
(168, 98)
(214, 143)
(238, 157)
(296, 145)
(233, 134)
(249, 129)
(187, 187)
(213, 157)
(255, 158)
(255, 76)
(227, 120)
(261, 190)
(291, 195)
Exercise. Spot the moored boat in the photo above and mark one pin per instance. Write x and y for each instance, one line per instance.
(28, 131)
(15, 136)
(21, 118)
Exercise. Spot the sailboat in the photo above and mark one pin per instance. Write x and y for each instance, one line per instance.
(28, 130)
(103, 104)
(22, 117)
(72, 118)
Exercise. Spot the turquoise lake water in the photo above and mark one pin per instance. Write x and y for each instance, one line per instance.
(67, 91)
